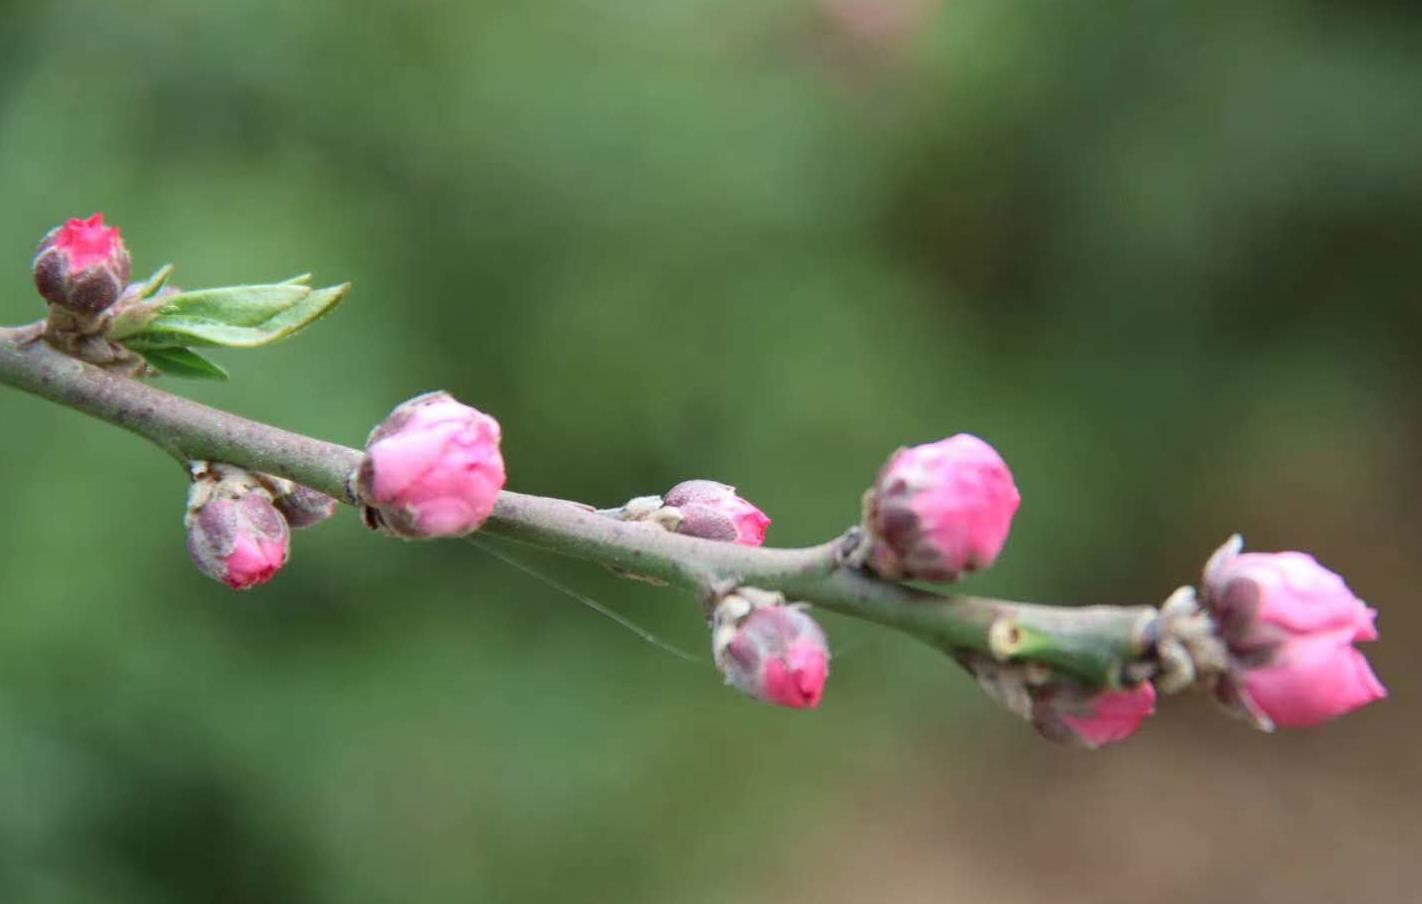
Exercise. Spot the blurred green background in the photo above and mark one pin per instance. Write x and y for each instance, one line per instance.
(1164, 256)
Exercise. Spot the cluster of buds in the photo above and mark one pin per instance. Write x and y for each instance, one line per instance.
(944, 509)
(939, 510)
(239, 522)
(433, 468)
(700, 508)
(935, 512)
(1285, 629)
(1272, 636)
(768, 649)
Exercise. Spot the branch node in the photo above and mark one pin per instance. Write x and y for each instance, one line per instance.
(1004, 637)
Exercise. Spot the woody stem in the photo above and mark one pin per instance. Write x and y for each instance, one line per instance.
(1093, 644)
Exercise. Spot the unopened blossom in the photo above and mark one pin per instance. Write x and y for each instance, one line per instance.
(1093, 720)
(940, 509)
(432, 469)
(773, 652)
(1061, 708)
(82, 265)
(241, 541)
(713, 511)
(1290, 626)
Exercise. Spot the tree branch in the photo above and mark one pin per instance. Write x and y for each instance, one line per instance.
(1093, 644)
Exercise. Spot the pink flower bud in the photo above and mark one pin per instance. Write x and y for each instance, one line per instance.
(300, 505)
(776, 653)
(432, 469)
(1064, 714)
(1289, 625)
(82, 265)
(713, 511)
(1311, 681)
(1059, 707)
(940, 509)
(241, 541)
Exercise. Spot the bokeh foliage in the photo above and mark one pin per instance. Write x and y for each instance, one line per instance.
(1164, 256)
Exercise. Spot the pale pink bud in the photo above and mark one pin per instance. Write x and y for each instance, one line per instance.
(82, 265)
(432, 469)
(775, 653)
(240, 541)
(713, 511)
(1065, 714)
(1061, 708)
(1310, 681)
(300, 505)
(940, 509)
(1289, 625)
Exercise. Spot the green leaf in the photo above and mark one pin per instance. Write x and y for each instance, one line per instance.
(137, 306)
(238, 317)
(132, 316)
(183, 362)
(235, 305)
(156, 281)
